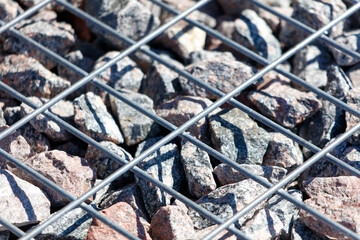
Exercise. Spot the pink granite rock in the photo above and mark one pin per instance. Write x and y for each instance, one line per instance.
(224, 235)
(284, 104)
(171, 222)
(21, 203)
(9, 9)
(71, 173)
(122, 214)
(29, 77)
(181, 109)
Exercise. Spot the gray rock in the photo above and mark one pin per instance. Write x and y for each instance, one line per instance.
(218, 72)
(21, 202)
(74, 225)
(198, 56)
(285, 105)
(29, 77)
(165, 166)
(92, 118)
(237, 136)
(353, 100)
(285, 210)
(134, 125)
(349, 40)
(58, 37)
(314, 14)
(161, 83)
(128, 17)
(105, 166)
(45, 125)
(198, 169)
(282, 152)
(225, 201)
(252, 32)
(9, 9)
(124, 74)
(227, 175)
(311, 64)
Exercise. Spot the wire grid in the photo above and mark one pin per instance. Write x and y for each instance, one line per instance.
(90, 78)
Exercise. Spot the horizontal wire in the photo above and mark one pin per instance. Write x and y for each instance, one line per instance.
(99, 70)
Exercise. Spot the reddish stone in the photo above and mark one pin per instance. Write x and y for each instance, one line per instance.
(9, 9)
(123, 215)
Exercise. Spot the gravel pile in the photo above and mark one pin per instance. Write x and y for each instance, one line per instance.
(137, 205)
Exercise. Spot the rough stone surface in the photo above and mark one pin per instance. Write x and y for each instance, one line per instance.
(311, 64)
(227, 200)
(353, 100)
(92, 118)
(282, 152)
(337, 198)
(198, 169)
(163, 165)
(198, 56)
(29, 77)
(104, 165)
(171, 222)
(161, 84)
(237, 136)
(351, 156)
(201, 234)
(37, 141)
(21, 202)
(349, 40)
(9, 9)
(252, 32)
(181, 109)
(227, 175)
(71, 173)
(123, 215)
(45, 125)
(73, 225)
(314, 14)
(58, 37)
(218, 72)
(130, 18)
(2, 118)
(354, 74)
(284, 104)
(124, 74)
(12, 114)
(15, 145)
(45, 14)
(301, 232)
(134, 125)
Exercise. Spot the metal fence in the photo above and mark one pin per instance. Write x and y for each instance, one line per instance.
(90, 78)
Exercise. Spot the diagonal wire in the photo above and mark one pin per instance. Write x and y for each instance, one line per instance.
(11, 227)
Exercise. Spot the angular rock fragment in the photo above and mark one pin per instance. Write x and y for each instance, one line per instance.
(73, 148)
(252, 32)
(163, 165)
(58, 37)
(38, 141)
(104, 165)
(237, 136)
(134, 125)
(92, 118)
(351, 156)
(198, 56)
(353, 100)
(225, 201)
(71, 173)
(130, 18)
(198, 169)
(276, 24)
(354, 75)
(123, 215)
(349, 40)
(21, 202)
(46, 15)
(218, 72)
(335, 197)
(301, 232)
(45, 125)
(9, 9)
(161, 83)
(15, 145)
(310, 64)
(314, 14)
(284, 104)
(29, 77)
(171, 222)
(282, 152)
(124, 74)
(180, 109)
(227, 175)
(12, 114)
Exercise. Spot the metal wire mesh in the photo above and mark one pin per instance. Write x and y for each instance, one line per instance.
(90, 78)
